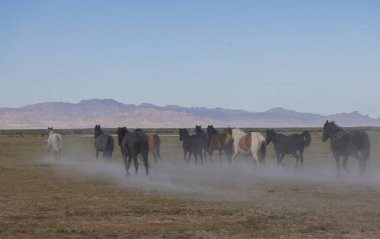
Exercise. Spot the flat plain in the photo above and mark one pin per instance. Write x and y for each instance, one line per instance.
(78, 196)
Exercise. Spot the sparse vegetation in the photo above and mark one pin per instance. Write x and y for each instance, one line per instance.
(42, 199)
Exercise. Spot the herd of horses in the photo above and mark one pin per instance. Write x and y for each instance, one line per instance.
(232, 142)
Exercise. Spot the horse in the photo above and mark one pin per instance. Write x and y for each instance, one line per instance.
(131, 144)
(216, 141)
(355, 143)
(199, 132)
(192, 144)
(252, 143)
(103, 143)
(288, 144)
(154, 143)
(54, 142)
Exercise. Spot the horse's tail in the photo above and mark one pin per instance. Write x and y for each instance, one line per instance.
(366, 147)
(157, 145)
(262, 151)
(307, 137)
(108, 150)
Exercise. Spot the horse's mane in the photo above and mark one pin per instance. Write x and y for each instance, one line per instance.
(334, 127)
(237, 132)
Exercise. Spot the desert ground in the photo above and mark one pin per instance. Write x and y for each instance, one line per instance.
(79, 196)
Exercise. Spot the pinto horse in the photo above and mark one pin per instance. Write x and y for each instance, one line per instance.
(54, 142)
(252, 143)
(216, 141)
(288, 144)
(103, 143)
(344, 144)
(131, 144)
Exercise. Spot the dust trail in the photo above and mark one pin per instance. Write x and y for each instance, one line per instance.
(239, 181)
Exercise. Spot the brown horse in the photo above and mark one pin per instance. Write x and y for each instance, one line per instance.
(154, 143)
(217, 141)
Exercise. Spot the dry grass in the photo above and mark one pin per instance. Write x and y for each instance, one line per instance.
(38, 199)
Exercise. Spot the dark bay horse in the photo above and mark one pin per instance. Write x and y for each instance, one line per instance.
(131, 144)
(355, 143)
(192, 144)
(217, 141)
(199, 132)
(103, 143)
(288, 144)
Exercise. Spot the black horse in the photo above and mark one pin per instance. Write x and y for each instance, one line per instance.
(217, 141)
(192, 144)
(199, 132)
(131, 144)
(288, 144)
(103, 143)
(342, 143)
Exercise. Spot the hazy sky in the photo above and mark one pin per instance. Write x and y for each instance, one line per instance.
(310, 56)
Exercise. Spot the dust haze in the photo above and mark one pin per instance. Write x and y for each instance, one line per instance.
(239, 181)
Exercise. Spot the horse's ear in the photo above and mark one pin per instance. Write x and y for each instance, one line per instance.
(327, 121)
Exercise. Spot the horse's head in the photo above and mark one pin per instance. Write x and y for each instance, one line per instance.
(327, 129)
(183, 133)
(50, 129)
(97, 131)
(211, 130)
(269, 135)
(198, 130)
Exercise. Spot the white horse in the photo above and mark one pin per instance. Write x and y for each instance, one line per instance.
(54, 142)
(252, 143)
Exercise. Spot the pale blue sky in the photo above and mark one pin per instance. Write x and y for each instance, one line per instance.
(310, 56)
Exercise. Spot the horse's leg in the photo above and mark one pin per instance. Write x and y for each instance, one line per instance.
(344, 164)
(364, 165)
(154, 155)
(136, 162)
(220, 156)
(295, 155)
(210, 151)
(278, 158)
(255, 159)
(127, 163)
(362, 161)
(195, 157)
(337, 162)
(301, 157)
(281, 158)
(146, 165)
(185, 156)
(204, 151)
(189, 154)
(201, 156)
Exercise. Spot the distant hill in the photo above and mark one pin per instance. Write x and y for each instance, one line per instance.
(110, 113)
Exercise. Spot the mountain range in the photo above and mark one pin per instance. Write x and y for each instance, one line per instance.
(111, 113)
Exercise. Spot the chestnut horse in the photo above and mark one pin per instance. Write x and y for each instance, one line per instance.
(216, 141)
(154, 143)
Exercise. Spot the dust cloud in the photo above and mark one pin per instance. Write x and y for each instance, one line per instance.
(241, 180)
